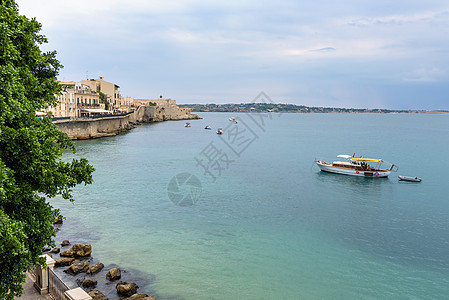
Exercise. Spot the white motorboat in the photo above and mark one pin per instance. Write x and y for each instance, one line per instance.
(409, 178)
(366, 167)
(207, 127)
(233, 120)
(219, 131)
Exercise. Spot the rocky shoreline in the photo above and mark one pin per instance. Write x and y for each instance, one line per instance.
(76, 266)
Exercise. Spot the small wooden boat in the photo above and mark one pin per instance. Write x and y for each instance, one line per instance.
(219, 131)
(408, 178)
(187, 124)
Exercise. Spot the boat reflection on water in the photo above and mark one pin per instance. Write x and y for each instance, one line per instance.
(354, 185)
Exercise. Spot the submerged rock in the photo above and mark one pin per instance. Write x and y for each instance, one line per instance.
(55, 250)
(114, 274)
(58, 220)
(126, 289)
(140, 296)
(95, 268)
(77, 267)
(89, 283)
(66, 261)
(78, 250)
(97, 295)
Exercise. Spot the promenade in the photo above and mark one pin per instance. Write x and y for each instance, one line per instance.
(30, 292)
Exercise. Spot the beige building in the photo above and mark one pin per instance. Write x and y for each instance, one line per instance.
(127, 104)
(76, 100)
(109, 89)
(160, 102)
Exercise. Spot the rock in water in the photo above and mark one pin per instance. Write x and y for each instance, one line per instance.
(61, 262)
(126, 289)
(77, 267)
(55, 251)
(58, 220)
(95, 268)
(65, 243)
(140, 297)
(78, 250)
(114, 274)
(89, 283)
(97, 295)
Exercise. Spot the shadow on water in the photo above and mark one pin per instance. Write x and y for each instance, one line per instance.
(144, 280)
(355, 185)
(108, 288)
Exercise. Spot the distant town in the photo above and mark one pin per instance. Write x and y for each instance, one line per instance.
(292, 108)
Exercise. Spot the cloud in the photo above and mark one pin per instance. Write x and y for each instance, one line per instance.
(422, 17)
(425, 75)
(229, 48)
(324, 50)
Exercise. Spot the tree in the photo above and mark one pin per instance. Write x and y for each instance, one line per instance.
(104, 100)
(31, 168)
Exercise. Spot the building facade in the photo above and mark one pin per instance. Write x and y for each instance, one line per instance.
(76, 100)
(111, 90)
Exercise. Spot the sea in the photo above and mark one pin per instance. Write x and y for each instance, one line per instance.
(191, 214)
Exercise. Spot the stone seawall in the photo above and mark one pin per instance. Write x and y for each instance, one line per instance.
(82, 129)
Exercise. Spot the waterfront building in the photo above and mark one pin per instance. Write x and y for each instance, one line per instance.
(110, 90)
(126, 104)
(76, 100)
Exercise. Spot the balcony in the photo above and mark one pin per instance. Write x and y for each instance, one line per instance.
(87, 105)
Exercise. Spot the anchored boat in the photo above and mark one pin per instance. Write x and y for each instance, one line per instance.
(409, 178)
(233, 120)
(367, 167)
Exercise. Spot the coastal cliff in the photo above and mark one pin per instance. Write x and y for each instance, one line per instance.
(90, 128)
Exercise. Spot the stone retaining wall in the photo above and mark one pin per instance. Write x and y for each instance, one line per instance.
(110, 126)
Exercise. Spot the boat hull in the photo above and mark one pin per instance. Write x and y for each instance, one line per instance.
(345, 171)
(408, 178)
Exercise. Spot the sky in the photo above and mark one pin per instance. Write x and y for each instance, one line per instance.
(348, 53)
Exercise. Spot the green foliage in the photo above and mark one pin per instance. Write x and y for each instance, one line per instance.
(103, 99)
(152, 103)
(30, 149)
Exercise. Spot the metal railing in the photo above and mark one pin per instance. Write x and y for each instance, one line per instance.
(60, 118)
(110, 115)
(56, 287)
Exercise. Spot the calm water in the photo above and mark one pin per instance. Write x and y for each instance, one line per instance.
(271, 225)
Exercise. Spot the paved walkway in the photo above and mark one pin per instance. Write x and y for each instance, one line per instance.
(29, 291)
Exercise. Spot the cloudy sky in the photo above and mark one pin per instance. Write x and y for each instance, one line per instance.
(349, 53)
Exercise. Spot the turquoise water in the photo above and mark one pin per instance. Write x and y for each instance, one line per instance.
(271, 225)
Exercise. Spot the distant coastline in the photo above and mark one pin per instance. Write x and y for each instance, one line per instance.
(293, 108)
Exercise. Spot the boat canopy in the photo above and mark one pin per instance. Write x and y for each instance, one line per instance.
(344, 156)
(365, 159)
